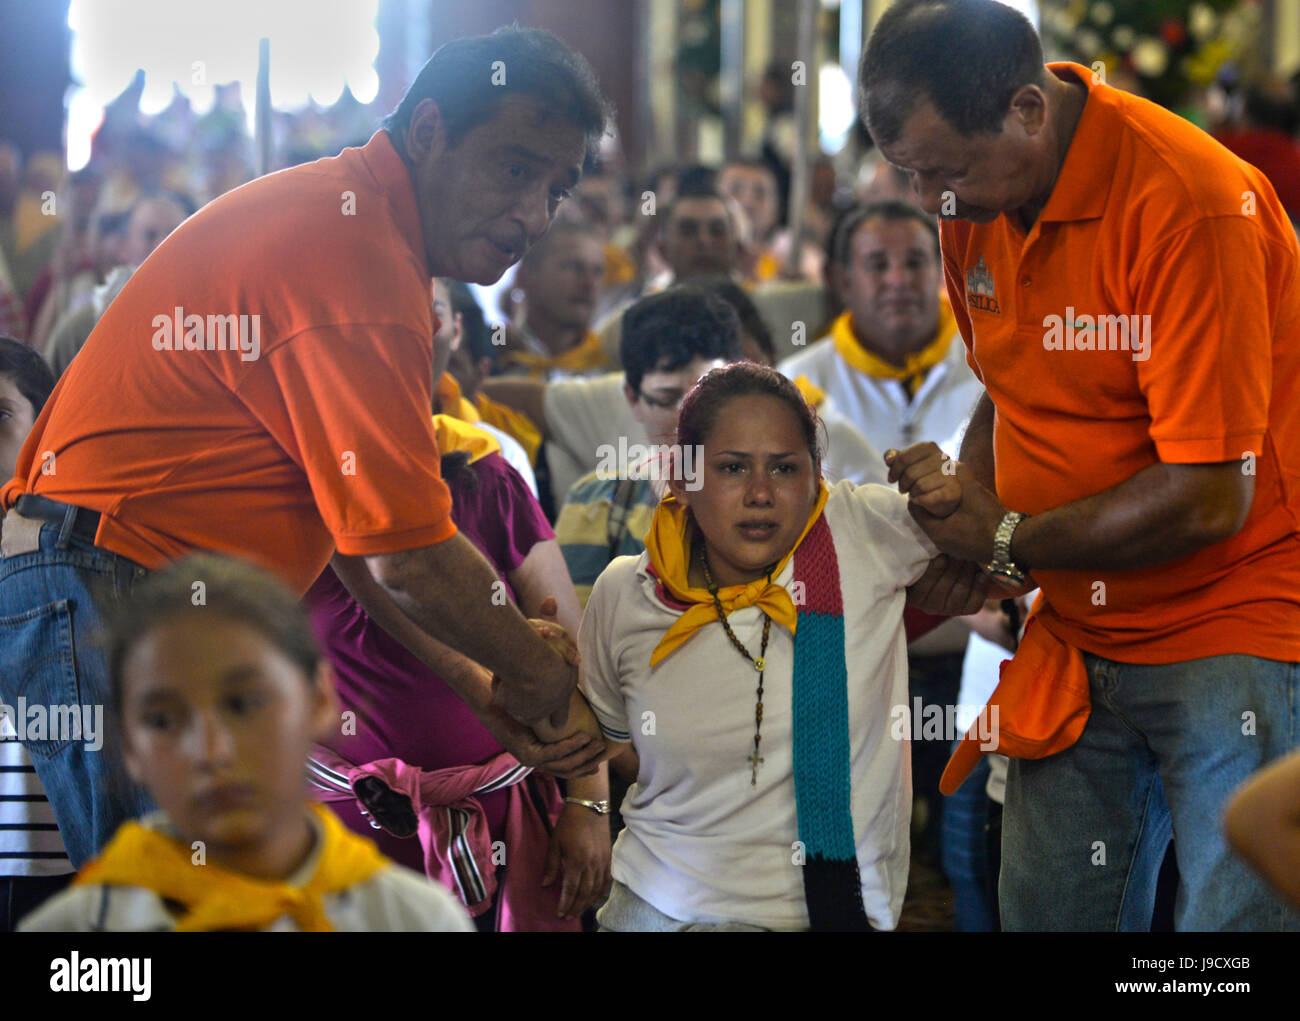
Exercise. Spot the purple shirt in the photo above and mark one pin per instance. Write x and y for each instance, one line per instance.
(403, 709)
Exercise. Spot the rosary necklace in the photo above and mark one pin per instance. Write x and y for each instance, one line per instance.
(759, 663)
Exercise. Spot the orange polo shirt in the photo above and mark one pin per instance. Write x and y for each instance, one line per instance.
(1152, 220)
(310, 431)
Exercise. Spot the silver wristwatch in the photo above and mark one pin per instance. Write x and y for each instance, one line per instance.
(1002, 567)
(599, 807)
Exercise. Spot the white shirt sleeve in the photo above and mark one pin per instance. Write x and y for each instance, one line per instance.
(883, 521)
(600, 677)
(514, 454)
(850, 455)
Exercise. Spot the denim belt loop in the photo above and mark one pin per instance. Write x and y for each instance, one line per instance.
(65, 530)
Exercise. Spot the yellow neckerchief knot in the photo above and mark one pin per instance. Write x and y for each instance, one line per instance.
(218, 899)
(583, 357)
(454, 434)
(668, 544)
(810, 391)
(513, 423)
(452, 402)
(767, 267)
(913, 371)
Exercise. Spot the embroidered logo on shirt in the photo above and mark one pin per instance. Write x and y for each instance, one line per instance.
(979, 289)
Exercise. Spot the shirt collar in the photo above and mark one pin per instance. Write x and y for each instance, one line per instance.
(394, 179)
(1084, 183)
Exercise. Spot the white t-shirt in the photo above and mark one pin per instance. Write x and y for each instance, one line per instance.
(701, 843)
(513, 452)
(394, 899)
(880, 408)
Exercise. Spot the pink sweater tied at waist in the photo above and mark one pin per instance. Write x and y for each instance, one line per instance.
(440, 808)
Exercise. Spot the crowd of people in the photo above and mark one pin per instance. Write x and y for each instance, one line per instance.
(456, 533)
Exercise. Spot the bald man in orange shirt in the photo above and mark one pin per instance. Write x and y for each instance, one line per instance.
(1128, 293)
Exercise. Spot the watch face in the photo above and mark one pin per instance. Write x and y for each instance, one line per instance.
(1011, 577)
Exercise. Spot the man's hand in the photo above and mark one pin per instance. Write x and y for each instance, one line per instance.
(927, 476)
(949, 588)
(560, 642)
(993, 623)
(577, 754)
(557, 637)
(966, 532)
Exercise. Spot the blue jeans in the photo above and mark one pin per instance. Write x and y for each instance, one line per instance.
(963, 853)
(1084, 831)
(50, 654)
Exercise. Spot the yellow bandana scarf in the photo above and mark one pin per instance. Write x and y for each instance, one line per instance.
(585, 357)
(450, 401)
(218, 899)
(810, 391)
(453, 434)
(913, 372)
(669, 545)
(512, 422)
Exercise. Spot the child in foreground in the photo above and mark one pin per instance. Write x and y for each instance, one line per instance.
(220, 691)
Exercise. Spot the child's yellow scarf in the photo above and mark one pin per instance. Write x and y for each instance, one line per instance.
(218, 899)
(669, 545)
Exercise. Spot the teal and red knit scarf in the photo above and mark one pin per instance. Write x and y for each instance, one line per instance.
(822, 763)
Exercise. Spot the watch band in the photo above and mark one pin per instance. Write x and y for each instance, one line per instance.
(1002, 565)
(599, 807)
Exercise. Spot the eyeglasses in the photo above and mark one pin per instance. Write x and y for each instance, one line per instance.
(670, 404)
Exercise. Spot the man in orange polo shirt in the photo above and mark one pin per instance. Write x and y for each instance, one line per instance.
(262, 388)
(1127, 290)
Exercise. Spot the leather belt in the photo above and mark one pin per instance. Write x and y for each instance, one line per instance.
(22, 525)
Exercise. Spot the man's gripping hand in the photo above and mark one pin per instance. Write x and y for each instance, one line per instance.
(927, 476)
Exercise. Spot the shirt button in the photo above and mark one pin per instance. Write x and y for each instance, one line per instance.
(1024, 281)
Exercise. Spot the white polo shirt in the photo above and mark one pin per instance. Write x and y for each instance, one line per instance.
(701, 843)
(881, 409)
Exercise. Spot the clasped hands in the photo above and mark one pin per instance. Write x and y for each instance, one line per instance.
(961, 517)
(568, 744)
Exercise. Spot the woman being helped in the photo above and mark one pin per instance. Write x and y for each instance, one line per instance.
(752, 663)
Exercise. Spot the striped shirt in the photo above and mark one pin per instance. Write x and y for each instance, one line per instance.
(30, 844)
(604, 518)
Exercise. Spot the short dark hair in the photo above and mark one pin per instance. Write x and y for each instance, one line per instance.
(839, 246)
(697, 179)
(968, 57)
(28, 371)
(695, 194)
(668, 330)
(475, 334)
(717, 387)
(459, 78)
(751, 321)
(232, 590)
